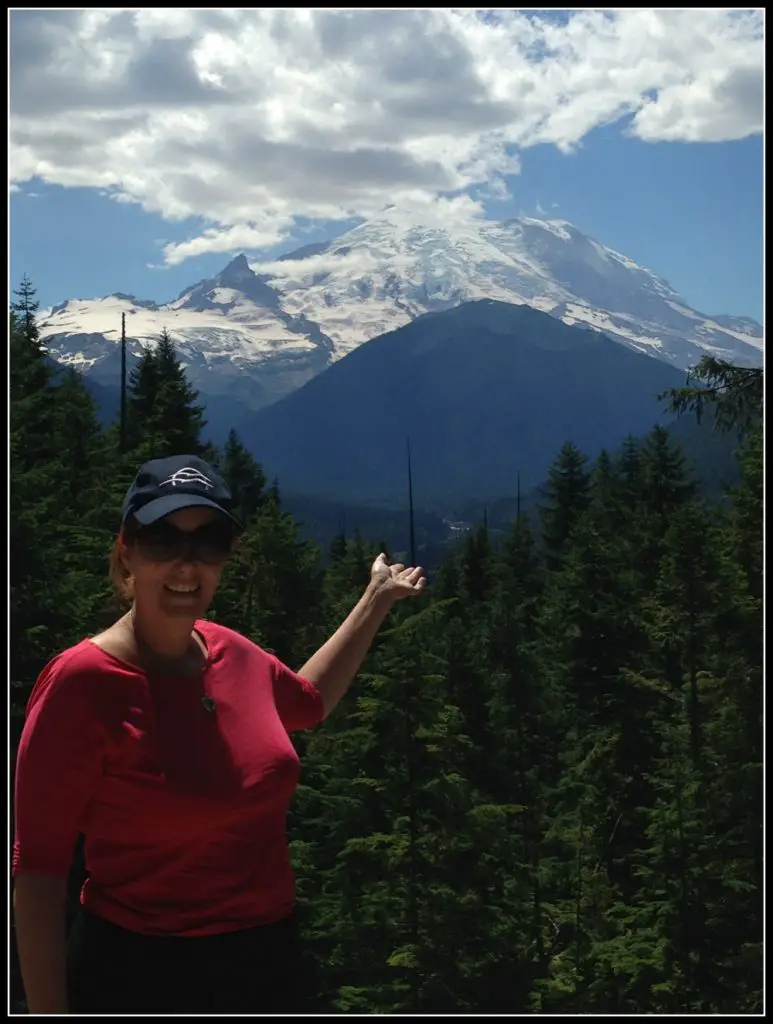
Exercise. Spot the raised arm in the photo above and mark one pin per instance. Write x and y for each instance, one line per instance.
(333, 667)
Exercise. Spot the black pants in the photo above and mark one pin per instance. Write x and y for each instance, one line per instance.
(256, 971)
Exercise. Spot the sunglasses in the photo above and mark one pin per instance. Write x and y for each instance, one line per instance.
(162, 542)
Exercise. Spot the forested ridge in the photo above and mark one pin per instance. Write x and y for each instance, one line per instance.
(543, 793)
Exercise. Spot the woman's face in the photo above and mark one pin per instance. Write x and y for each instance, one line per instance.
(176, 563)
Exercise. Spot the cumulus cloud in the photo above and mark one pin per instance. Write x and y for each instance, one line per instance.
(250, 120)
(298, 273)
(241, 237)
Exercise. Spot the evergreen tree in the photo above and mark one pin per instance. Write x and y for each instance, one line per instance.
(568, 495)
(746, 514)
(244, 477)
(733, 393)
(272, 585)
(348, 575)
(665, 487)
(665, 481)
(611, 502)
(26, 307)
(178, 417)
(604, 480)
(143, 387)
(338, 549)
(89, 509)
(476, 568)
(35, 504)
(32, 398)
(163, 417)
(85, 457)
(527, 730)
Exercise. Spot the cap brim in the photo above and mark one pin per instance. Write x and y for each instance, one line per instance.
(161, 507)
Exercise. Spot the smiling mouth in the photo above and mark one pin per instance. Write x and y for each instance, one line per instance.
(182, 590)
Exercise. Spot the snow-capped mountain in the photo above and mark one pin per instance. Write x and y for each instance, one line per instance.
(231, 334)
(379, 276)
(257, 332)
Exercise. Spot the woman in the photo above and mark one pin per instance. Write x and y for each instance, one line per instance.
(164, 740)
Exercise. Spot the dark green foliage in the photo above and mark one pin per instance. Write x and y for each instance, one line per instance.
(163, 418)
(734, 394)
(544, 792)
(567, 496)
(244, 477)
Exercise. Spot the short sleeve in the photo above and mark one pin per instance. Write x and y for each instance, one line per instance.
(58, 766)
(298, 701)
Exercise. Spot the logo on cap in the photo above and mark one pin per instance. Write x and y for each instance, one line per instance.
(187, 477)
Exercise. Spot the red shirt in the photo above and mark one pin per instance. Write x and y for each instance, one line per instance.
(183, 809)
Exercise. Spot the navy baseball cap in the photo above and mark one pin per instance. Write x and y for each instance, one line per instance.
(163, 486)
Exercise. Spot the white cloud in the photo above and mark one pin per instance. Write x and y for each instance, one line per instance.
(251, 119)
(300, 273)
(239, 237)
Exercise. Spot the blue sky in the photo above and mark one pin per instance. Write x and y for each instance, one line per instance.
(259, 131)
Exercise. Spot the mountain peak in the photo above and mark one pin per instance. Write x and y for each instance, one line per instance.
(236, 284)
(238, 262)
(236, 271)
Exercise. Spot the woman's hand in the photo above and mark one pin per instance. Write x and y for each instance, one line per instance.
(396, 581)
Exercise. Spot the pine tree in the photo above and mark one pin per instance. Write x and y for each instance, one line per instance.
(568, 495)
(32, 399)
(142, 388)
(476, 568)
(272, 585)
(244, 477)
(687, 596)
(26, 307)
(665, 481)
(604, 478)
(338, 549)
(348, 575)
(746, 515)
(36, 453)
(665, 486)
(177, 416)
(733, 393)
(85, 456)
(163, 418)
(527, 731)
(466, 641)
(89, 507)
(610, 500)
(395, 829)
(735, 793)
